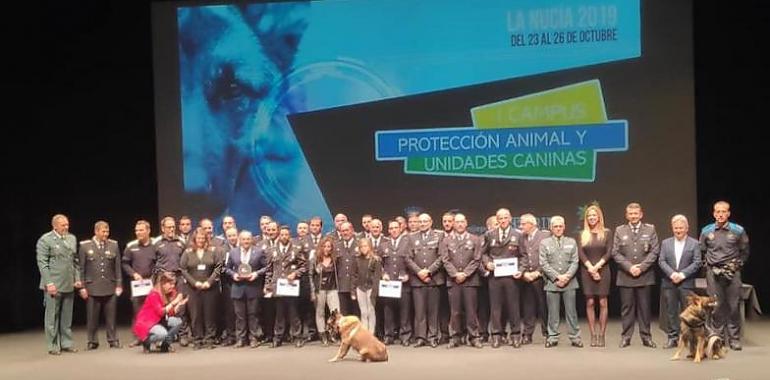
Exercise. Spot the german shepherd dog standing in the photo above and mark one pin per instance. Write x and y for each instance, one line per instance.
(695, 333)
(352, 333)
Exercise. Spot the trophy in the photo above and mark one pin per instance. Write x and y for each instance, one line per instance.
(244, 270)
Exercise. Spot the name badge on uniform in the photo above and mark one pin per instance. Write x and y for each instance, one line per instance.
(201, 266)
(506, 267)
(390, 289)
(286, 288)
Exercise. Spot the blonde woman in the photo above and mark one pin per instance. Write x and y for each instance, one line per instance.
(594, 251)
(365, 279)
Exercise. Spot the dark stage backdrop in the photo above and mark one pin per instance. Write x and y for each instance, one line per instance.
(83, 106)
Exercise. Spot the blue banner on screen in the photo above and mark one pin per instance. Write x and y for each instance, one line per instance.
(245, 70)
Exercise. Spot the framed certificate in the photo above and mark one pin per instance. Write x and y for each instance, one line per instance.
(506, 267)
(390, 289)
(284, 288)
(141, 288)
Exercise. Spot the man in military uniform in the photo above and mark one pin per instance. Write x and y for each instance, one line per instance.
(227, 316)
(393, 251)
(366, 220)
(316, 231)
(504, 242)
(59, 276)
(559, 261)
(185, 228)
(377, 239)
(285, 261)
(426, 278)
(264, 220)
(635, 248)
(339, 219)
(139, 262)
(346, 251)
(461, 255)
(726, 249)
(532, 293)
(169, 251)
(100, 269)
(305, 303)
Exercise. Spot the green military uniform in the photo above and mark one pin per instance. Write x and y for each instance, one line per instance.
(58, 266)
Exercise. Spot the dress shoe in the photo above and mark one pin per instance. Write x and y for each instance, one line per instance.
(649, 343)
(197, 346)
(453, 344)
(420, 343)
(625, 342)
(324, 339)
(254, 343)
(735, 345)
(485, 338)
(526, 339)
(299, 342)
(228, 342)
(444, 339)
(115, 345)
(671, 343)
(184, 342)
(405, 342)
(433, 343)
(211, 346)
(54, 352)
(70, 350)
(516, 341)
(388, 341)
(577, 343)
(496, 341)
(276, 343)
(239, 344)
(476, 343)
(92, 346)
(549, 344)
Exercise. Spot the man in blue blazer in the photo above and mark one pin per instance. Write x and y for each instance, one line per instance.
(246, 288)
(680, 261)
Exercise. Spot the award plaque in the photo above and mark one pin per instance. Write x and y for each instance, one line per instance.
(244, 270)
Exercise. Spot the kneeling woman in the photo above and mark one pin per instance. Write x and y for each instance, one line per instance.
(156, 326)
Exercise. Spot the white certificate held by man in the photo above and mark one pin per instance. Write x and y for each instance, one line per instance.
(286, 288)
(506, 267)
(390, 289)
(140, 288)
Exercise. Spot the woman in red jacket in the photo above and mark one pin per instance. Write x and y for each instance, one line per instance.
(156, 326)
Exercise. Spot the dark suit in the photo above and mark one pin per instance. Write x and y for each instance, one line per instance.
(245, 294)
(394, 265)
(630, 248)
(675, 295)
(203, 302)
(101, 270)
(346, 253)
(283, 261)
(423, 254)
(504, 291)
(462, 254)
(532, 293)
(305, 306)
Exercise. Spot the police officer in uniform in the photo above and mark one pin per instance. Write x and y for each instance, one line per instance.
(346, 250)
(393, 251)
(305, 305)
(532, 293)
(635, 248)
(227, 317)
(726, 249)
(426, 277)
(503, 243)
(461, 256)
(139, 262)
(101, 271)
(285, 261)
(59, 276)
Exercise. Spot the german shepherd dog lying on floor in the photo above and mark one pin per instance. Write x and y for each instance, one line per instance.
(352, 333)
(694, 331)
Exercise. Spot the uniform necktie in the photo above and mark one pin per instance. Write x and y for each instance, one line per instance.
(101, 246)
(503, 235)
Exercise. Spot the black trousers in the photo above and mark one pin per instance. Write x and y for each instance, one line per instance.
(443, 312)
(286, 313)
(136, 305)
(426, 305)
(676, 301)
(347, 305)
(484, 308)
(227, 320)
(397, 315)
(185, 330)
(266, 316)
(635, 307)
(727, 317)
(246, 319)
(504, 293)
(533, 306)
(203, 314)
(306, 309)
(94, 306)
(463, 300)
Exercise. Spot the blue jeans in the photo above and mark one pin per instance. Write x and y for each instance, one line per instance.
(165, 332)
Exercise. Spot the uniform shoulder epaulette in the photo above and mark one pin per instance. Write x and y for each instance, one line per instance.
(132, 243)
(649, 225)
(85, 241)
(112, 241)
(709, 228)
(736, 228)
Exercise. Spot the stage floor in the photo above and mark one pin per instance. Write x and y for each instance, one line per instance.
(23, 356)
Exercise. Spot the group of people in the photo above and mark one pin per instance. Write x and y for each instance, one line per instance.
(456, 288)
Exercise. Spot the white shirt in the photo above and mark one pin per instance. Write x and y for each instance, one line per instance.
(678, 249)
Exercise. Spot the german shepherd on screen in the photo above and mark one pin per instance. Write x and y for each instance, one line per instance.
(694, 333)
(352, 333)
